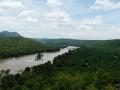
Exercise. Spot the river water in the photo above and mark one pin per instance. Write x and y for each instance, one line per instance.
(17, 64)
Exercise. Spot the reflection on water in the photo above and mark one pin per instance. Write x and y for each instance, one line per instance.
(20, 63)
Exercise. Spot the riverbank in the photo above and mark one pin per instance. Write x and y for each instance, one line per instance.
(19, 54)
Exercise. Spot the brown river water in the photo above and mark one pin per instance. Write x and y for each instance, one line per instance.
(17, 64)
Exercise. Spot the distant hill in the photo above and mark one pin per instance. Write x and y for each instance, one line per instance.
(68, 42)
(91, 43)
(115, 43)
(9, 34)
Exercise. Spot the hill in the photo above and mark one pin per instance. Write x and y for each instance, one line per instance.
(9, 34)
(16, 46)
(68, 42)
(109, 43)
(88, 43)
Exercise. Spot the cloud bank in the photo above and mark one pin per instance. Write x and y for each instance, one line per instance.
(54, 19)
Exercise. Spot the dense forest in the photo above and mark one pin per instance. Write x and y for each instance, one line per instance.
(95, 67)
(67, 42)
(16, 46)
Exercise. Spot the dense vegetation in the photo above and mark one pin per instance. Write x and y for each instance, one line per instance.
(16, 46)
(67, 42)
(88, 68)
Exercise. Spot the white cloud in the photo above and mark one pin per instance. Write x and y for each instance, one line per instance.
(83, 27)
(6, 6)
(60, 19)
(115, 29)
(25, 19)
(93, 21)
(58, 15)
(54, 21)
(29, 15)
(105, 5)
(73, 25)
(113, 32)
(88, 23)
(9, 21)
(54, 3)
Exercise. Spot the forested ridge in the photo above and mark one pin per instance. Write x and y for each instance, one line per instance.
(87, 68)
(67, 42)
(114, 42)
(17, 46)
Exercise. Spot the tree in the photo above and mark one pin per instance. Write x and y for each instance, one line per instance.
(91, 87)
(109, 87)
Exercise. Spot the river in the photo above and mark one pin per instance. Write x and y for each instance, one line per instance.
(17, 64)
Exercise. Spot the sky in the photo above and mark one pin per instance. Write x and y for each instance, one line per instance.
(74, 19)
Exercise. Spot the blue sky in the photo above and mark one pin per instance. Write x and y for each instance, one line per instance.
(75, 19)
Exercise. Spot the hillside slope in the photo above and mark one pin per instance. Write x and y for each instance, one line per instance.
(68, 42)
(16, 46)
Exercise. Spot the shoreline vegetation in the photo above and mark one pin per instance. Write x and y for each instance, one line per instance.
(19, 46)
